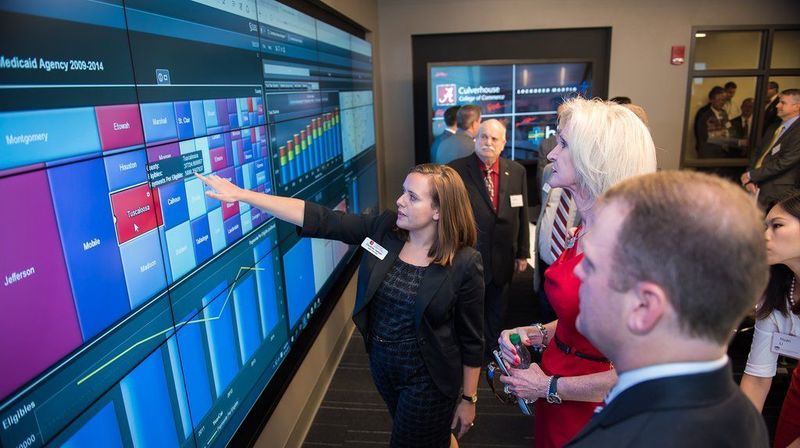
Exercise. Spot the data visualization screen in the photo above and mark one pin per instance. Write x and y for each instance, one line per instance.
(524, 96)
(137, 311)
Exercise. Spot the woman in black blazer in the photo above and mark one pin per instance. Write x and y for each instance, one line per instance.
(419, 304)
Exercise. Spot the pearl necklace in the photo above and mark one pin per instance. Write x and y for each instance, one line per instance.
(791, 293)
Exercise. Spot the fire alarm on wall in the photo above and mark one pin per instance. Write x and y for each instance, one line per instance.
(678, 52)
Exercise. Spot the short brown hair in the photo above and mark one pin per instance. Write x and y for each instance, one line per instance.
(456, 226)
(794, 93)
(700, 238)
(467, 115)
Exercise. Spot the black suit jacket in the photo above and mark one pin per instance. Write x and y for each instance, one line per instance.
(737, 128)
(502, 235)
(779, 173)
(701, 410)
(449, 304)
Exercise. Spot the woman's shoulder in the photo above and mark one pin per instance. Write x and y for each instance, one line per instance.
(778, 321)
(465, 255)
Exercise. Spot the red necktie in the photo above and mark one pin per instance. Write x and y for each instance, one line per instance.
(489, 184)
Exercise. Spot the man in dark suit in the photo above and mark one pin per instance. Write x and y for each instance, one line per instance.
(741, 128)
(497, 189)
(711, 121)
(462, 143)
(743, 124)
(664, 313)
(771, 107)
(774, 169)
(450, 129)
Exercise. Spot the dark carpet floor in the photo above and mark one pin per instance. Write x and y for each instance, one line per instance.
(352, 413)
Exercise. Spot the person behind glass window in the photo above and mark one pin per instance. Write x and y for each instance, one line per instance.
(710, 125)
(419, 300)
(600, 144)
(742, 125)
(731, 108)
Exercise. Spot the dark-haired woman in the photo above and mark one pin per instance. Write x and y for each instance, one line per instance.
(778, 314)
(419, 304)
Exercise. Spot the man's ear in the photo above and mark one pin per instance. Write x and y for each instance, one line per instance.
(648, 303)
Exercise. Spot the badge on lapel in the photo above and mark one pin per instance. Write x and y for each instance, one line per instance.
(374, 248)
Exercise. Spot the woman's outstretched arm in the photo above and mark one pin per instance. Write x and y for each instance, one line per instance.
(286, 209)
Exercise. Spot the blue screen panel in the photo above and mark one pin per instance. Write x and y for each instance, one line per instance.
(90, 244)
(221, 340)
(100, 430)
(247, 322)
(195, 364)
(147, 404)
(299, 270)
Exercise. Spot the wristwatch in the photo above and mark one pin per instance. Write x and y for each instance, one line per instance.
(471, 398)
(552, 390)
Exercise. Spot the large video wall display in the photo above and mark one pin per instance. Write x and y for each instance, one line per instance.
(136, 310)
(524, 96)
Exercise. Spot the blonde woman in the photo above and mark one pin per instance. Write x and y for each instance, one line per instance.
(599, 144)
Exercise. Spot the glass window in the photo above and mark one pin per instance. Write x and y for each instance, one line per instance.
(786, 50)
(719, 124)
(721, 50)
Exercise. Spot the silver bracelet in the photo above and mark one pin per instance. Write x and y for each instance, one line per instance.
(543, 330)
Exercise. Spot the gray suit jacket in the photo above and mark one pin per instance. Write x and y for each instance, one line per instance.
(779, 173)
(459, 145)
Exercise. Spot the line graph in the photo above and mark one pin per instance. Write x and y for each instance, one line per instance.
(162, 332)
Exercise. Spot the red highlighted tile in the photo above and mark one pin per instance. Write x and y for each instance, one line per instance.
(134, 212)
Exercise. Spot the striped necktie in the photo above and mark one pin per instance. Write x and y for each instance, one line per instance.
(558, 237)
(772, 142)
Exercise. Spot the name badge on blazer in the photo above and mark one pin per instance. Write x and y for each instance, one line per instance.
(786, 345)
(516, 200)
(776, 149)
(374, 248)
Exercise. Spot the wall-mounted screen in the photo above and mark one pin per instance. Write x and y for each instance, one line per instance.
(524, 96)
(136, 311)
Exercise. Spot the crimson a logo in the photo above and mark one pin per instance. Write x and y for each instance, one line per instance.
(445, 94)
